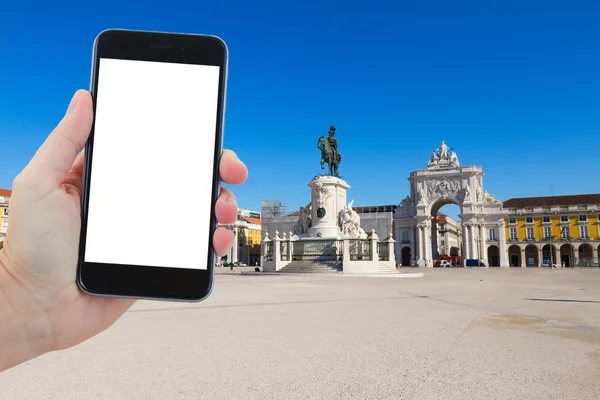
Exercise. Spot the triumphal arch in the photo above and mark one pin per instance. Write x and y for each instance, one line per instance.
(445, 181)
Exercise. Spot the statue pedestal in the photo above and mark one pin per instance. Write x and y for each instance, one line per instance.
(328, 196)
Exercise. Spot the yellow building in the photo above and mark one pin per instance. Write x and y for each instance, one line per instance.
(561, 230)
(247, 232)
(249, 236)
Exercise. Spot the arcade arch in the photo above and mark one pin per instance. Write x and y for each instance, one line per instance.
(446, 230)
(585, 255)
(566, 254)
(531, 256)
(493, 256)
(514, 256)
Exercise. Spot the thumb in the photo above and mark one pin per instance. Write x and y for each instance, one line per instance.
(54, 159)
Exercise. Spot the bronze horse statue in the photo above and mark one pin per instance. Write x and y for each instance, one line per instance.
(327, 156)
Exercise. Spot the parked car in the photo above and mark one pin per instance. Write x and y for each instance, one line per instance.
(443, 264)
(475, 263)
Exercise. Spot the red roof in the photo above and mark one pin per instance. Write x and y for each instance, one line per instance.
(441, 218)
(255, 221)
(5, 192)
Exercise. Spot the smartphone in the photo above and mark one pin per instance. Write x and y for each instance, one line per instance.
(151, 165)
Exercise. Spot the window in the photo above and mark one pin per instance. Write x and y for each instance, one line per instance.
(565, 232)
(564, 218)
(583, 218)
(405, 236)
(492, 235)
(547, 232)
(4, 226)
(513, 233)
(530, 233)
(546, 218)
(512, 220)
(6, 212)
(583, 232)
(529, 220)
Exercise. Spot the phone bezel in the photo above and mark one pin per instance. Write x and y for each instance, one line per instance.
(151, 282)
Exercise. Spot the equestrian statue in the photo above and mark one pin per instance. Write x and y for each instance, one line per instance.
(329, 152)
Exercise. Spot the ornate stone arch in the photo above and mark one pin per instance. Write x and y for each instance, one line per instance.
(445, 181)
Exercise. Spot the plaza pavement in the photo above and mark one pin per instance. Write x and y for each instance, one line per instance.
(454, 334)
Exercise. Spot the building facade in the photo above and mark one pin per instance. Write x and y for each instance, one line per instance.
(248, 233)
(449, 236)
(244, 212)
(557, 230)
(520, 232)
(4, 202)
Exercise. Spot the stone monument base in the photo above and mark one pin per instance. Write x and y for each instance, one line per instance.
(328, 198)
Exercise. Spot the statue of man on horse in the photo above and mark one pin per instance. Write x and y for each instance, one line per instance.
(329, 152)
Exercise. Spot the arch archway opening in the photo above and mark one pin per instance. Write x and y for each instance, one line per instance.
(446, 233)
(531, 256)
(585, 255)
(493, 256)
(549, 255)
(514, 256)
(566, 255)
(406, 256)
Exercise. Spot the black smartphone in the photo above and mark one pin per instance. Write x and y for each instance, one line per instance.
(151, 174)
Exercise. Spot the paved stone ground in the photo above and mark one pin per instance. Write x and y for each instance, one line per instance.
(454, 334)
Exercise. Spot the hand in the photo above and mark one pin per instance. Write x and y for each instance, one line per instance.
(41, 306)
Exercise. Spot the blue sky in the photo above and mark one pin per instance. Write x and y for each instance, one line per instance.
(513, 86)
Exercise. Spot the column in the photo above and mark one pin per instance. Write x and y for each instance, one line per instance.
(234, 249)
(427, 243)
(422, 245)
(482, 249)
(374, 249)
(523, 259)
(466, 242)
(473, 243)
(413, 247)
(595, 255)
(503, 247)
(557, 259)
(277, 251)
(392, 254)
(418, 245)
(540, 256)
(346, 256)
(291, 249)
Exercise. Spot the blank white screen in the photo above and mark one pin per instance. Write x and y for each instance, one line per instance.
(152, 166)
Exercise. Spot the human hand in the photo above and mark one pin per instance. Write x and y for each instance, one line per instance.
(41, 306)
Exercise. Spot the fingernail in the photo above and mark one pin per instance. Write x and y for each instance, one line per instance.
(232, 200)
(73, 103)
